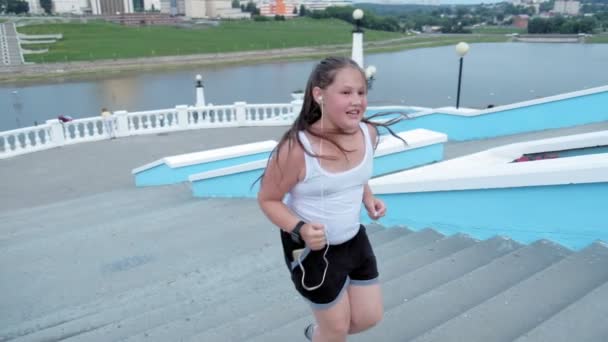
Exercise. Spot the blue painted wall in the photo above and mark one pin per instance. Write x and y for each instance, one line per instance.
(234, 185)
(564, 113)
(239, 185)
(572, 215)
(163, 175)
(407, 159)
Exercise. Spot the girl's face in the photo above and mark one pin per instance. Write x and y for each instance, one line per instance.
(344, 100)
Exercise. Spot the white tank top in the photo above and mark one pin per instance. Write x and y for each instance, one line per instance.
(332, 198)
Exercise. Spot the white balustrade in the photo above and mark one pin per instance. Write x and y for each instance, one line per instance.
(213, 116)
(81, 130)
(276, 113)
(150, 122)
(55, 133)
(25, 140)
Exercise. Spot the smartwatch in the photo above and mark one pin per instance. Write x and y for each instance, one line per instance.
(295, 232)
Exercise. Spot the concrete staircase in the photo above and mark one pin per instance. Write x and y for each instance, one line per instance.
(155, 264)
(10, 50)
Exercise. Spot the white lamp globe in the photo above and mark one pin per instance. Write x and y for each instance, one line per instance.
(199, 77)
(462, 48)
(370, 71)
(358, 14)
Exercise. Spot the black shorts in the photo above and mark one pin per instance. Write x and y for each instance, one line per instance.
(350, 263)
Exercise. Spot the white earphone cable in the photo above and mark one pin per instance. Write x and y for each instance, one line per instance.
(312, 288)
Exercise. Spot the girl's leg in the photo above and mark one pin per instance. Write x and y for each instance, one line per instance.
(333, 323)
(366, 306)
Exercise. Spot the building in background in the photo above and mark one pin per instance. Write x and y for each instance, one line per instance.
(212, 9)
(111, 7)
(567, 7)
(152, 5)
(277, 7)
(270, 8)
(521, 21)
(71, 6)
(34, 7)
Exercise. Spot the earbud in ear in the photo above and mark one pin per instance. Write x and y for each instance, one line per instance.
(320, 99)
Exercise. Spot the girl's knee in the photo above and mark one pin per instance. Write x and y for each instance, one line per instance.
(334, 332)
(365, 321)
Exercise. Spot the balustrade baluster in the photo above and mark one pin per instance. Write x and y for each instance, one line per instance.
(154, 119)
(47, 135)
(81, 131)
(17, 144)
(37, 141)
(26, 140)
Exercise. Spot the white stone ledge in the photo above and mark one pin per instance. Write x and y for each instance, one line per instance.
(255, 165)
(415, 139)
(475, 112)
(210, 155)
(494, 168)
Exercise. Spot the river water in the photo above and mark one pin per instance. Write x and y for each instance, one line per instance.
(493, 73)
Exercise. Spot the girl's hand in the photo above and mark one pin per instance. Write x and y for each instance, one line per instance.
(375, 208)
(313, 235)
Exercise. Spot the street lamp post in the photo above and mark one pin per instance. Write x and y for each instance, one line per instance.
(200, 92)
(370, 73)
(461, 49)
(357, 52)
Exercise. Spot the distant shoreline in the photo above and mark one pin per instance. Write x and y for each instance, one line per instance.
(74, 69)
(69, 70)
(82, 69)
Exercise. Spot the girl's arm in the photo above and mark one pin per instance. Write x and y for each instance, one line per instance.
(283, 172)
(374, 206)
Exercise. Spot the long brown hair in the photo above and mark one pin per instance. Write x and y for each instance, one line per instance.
(322, 76)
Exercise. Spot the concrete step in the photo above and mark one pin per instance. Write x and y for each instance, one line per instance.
(584, 320)
(272, 314)
(510, 314)
(406, 244)
(142, 309)
(47, 221)
(406, 287)
(400, 266)
(414, 317)
(187, 290)
(98, 201)
(45, 238)
(426, 255)
(184, 319)
(120, 258)
(388, 234)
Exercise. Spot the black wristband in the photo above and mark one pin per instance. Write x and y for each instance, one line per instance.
(295, 232)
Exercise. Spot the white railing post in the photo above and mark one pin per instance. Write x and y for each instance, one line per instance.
(56, 131)
(241, 113)
(182, 116)
(122, 123)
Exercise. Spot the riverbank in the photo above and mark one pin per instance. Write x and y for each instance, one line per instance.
(33, 72)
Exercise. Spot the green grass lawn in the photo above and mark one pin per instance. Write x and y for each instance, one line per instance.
(100, 40)
(598, 38)
(499, 30)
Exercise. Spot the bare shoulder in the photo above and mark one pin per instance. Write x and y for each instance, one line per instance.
(291, 154)
(284, 170)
